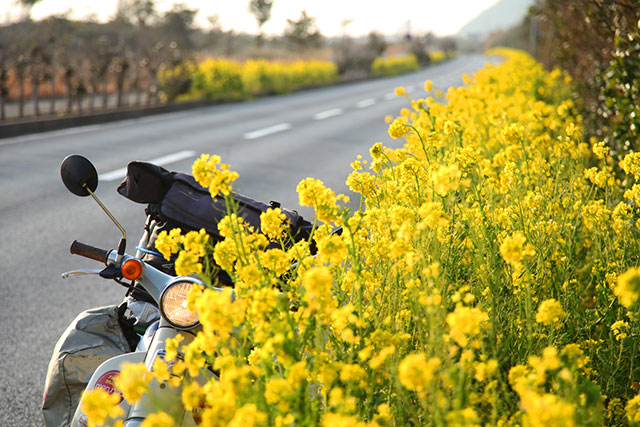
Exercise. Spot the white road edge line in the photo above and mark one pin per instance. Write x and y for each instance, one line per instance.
(267, 131)
(366, 103)
(160, 161)
(390, 96)
(88, 128)
(328, 113)
(50, 134)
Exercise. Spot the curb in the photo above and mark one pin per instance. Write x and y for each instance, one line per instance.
(24, 127)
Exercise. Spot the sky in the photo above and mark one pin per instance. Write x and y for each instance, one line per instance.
(443, 17)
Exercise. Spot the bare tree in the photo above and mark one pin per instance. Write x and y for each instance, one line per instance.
(449, 46)
(20, 68)
(261, 10)
(27, 5)
(303, 33)
(39, 65)
(72, 58)
(177, 24)
(4, 79)
(140, 13)
(119, 67)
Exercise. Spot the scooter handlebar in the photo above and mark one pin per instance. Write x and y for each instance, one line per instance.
(88, 251)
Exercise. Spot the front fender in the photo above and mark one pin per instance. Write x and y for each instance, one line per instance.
(103, 378)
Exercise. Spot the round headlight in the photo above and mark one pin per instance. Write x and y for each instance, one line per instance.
(173, 305)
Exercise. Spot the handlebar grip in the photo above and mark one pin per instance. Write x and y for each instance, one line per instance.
(88, 251)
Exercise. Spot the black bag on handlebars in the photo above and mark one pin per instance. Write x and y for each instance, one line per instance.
(176, 200)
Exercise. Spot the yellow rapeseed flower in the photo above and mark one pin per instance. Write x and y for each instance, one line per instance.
(312, 192)
(168, 243)
(187, 263)
(318, 285)
(133, 381)
(465, 322)
(633, 409)
(631, 164)
(379, 359)
(99, 406)
(332, 249)
(550, 312)
(352, 372)
(213, 175)
(160, 419)
(600, 150)
(416, 372)
(195, 242)
(628, 287)
(398, 128)
(273, 223)
(446, 179)
(547, 410)
(248, 416)
(619, 329)
(192, 396)
(513, 248)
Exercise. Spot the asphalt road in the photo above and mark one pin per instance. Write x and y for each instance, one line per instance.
(273, 143)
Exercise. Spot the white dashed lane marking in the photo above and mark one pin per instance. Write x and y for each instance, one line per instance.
(328, 113)
(267, 131)
(366, 103)
(160, 161)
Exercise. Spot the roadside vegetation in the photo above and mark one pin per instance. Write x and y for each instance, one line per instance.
(488, 277)
(598, 44)
(395, 65)
(229, 80)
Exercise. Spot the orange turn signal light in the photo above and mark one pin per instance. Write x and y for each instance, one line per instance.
(131, 269)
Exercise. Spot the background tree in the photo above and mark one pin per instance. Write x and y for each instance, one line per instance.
(303, 33)
(419, 46)
(139, 13)
(177, 24)
(20, 68)
(40, 68)
(4, 79)
(72, 51)
(211, 37)
(27, 6)
(354, 57)
(449, 46)
(261, 10)
(598, 42)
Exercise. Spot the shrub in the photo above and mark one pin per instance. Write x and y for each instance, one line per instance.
(222, 79)
(394, 65)
(176, 82)
(219, 79)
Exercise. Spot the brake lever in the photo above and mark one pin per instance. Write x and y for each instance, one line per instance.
(110, 272)
(79, 273)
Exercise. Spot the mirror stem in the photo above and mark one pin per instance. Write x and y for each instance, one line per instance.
(121, 246)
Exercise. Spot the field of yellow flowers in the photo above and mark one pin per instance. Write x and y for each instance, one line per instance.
(393, 65)
(488, 278)
(229, 80)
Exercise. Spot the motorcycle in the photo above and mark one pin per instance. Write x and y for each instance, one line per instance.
(166, 292)
(100, 341)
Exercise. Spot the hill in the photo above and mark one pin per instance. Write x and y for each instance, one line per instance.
(502, 15)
